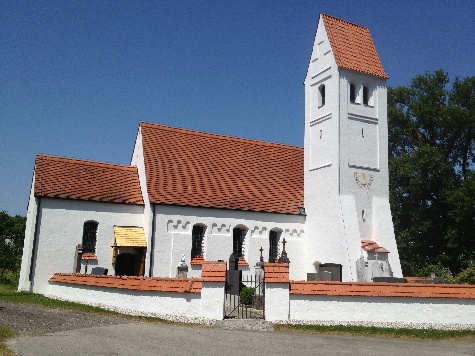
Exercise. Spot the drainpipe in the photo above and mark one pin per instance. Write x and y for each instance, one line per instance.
(35, 242)
(152, 242)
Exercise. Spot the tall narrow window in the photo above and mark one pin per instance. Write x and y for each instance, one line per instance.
(197, 236)
(352, 93)
(238, 241)
(321, 90)
(89, 237)
(273, 246)
(365, 96)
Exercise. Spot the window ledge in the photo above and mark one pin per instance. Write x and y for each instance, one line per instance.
(243, 262)
(196, 261)
(89, 256)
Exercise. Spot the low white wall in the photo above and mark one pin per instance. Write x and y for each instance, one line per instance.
(276, 302)
(212, 300)
(383, 311)
(184, 307)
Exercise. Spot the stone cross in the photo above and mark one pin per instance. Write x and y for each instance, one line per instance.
(283, 257)
(261, 259)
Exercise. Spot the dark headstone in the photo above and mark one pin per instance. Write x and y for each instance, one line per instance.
(99, 270)
(389, 279)
(330, 272)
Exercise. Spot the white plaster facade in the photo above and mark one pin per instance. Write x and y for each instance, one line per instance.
(60, 228)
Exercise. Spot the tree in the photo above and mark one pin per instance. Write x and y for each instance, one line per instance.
(432, 178)
(12, 233)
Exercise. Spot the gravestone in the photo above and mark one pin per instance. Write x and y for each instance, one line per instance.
(233, 275)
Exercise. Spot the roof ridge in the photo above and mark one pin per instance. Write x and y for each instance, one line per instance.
(219, 136)
(348, 22)
(85, 161)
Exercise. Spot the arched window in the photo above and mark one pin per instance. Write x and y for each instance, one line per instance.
(89, 237)
(365, 95)
(321, 96)
(352, 93)
(197, 238)
(273, 246)
(239, 235)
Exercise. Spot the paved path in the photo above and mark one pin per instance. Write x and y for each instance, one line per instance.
(139, 338)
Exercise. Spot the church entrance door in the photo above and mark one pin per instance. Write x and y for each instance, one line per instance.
(129, 264)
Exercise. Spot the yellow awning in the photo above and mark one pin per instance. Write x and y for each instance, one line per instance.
(129, 236)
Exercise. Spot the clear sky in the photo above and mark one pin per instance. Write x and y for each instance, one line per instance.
(77, 77)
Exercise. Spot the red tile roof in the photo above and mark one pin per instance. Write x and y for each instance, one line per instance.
(60, 177)
(372, 246)
(187, 167)
(353, 47)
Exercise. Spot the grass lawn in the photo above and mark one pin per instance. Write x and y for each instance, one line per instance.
(433, 334)
(6, 333)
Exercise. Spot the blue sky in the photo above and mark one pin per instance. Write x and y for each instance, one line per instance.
(77, 77)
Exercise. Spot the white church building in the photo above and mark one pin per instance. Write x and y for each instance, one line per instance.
(207, 196)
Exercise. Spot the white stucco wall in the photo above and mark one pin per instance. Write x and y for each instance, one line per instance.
(60, 230)
(138, 161)
(212, 300)
(147, 303)
(174, 227)
(276, 302)
(24, 282)
(383, 310)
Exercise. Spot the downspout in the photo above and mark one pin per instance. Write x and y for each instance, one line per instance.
(152, 242)
(35, 242)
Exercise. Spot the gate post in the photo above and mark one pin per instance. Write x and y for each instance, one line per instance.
(276, 281)
(213, 278)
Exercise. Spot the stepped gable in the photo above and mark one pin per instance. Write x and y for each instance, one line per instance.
(60, 177)
(186, 167)
(353, 47)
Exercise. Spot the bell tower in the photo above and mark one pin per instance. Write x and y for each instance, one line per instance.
(346, 155)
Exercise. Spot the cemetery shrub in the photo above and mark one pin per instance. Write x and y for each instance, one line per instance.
(246, 295)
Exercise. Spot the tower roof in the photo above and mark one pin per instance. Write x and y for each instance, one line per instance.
(353, 47)
(186, 167)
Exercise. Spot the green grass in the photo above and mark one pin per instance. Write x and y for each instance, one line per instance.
(6, 333)
(433, 334)
(9, 293)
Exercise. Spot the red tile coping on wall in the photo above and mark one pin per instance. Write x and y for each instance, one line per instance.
(371, 289)
(276, 272)
(213, 271)
(179, 285)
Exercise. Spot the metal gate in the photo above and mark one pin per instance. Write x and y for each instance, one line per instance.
(244, 297)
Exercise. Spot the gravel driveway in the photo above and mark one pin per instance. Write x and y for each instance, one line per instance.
(35, 320)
